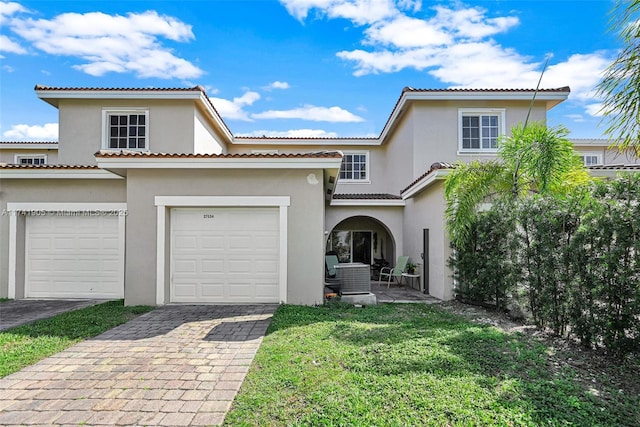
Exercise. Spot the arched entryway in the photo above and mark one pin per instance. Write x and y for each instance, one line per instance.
(361, 239)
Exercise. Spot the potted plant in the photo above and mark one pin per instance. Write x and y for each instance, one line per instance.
(411, 268)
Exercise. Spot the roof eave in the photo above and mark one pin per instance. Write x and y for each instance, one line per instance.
(424, 183)
(52, 173)
(368, 202)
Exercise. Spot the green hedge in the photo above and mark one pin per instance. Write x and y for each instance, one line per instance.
(574, 262)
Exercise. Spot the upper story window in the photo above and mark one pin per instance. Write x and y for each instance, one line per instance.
(37, 159)
(126, 129)
(591, 159)
(479, 129)
(355, 167)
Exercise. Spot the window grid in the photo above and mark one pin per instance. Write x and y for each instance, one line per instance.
(127, 131)
(480, 132)
(591, 159)
(31, 160)
(354, 167)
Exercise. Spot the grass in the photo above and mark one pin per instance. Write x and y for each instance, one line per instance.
(4, 299)
(27, 344)
(399, 365)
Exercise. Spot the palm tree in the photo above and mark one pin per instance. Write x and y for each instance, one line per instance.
(620, 86)
(534, 159)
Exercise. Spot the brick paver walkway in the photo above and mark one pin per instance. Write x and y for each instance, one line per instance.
(20, 311)
(175, 366)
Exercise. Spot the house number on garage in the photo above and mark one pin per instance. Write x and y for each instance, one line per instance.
(208, 216)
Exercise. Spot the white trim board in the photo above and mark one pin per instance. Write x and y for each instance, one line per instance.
(164, 202)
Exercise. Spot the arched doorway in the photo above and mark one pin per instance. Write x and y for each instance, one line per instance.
(361, 239)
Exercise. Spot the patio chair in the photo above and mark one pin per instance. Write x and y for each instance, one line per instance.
(331, 281)
(395, 272)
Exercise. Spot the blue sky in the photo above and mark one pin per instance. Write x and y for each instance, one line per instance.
(301, 67)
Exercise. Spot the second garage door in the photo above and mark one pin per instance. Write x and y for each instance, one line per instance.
(225, 255)
(74, 256)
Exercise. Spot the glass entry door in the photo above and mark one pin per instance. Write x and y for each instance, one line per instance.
(361, 247)
(351, 246)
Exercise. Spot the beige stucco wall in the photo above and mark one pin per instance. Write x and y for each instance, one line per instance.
(426, 210)
(9, 155)
(170, 127)
(305, 230)
(205, 139)
(437, 130)
(45, 191)
(609, 156)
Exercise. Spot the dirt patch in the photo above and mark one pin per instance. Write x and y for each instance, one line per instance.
(602, 375)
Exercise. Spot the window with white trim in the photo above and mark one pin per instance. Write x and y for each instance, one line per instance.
(355, 167)
(126, 129)
(37, 159)
(479, 130)
(591, 159)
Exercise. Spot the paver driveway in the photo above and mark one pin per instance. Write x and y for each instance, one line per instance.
(177, 365)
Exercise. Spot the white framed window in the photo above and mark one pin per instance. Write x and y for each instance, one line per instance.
(34, 159)
(355, 167)
(591, 159)
(479, 129)
(125, 129)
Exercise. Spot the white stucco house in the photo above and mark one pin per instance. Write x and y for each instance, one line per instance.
(150, 197)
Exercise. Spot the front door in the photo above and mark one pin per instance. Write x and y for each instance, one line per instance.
(362, 247)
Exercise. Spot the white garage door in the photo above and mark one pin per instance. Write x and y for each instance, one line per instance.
(73, 256)
(225, 255)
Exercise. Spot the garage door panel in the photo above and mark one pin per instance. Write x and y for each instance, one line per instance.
(186, 242)
(236, 247)
(215, 242)
(212, 266)
(212, 290)
(186, 266)
(73, 257)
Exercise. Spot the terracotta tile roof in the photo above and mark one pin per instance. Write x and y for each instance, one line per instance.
(145, 155)
(559, 89)
(28, 142)
(434, 167)
(371, 196)
(39, 167)
(466, 91)
(197, 88)
(310, 138)
(615, 167)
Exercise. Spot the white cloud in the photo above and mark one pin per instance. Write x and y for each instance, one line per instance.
(112, 43)
(471, 23)
(577, 118)
(8, 45)
(7, 10)
(582, 72)
(312, 113)
(595, 109)
(405, 32)
(234, 109)
(46, 132)
(293, 133)
(452, 43)
(278, 85)
(359, 11)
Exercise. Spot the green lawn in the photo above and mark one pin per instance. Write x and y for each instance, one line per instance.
(406, 365)
(25, 345)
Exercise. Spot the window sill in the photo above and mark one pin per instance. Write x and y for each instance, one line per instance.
(491, 153)
(353, 181)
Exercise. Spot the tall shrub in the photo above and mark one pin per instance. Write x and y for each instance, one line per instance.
(606, 301)
(547, 227)
(484, 267)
